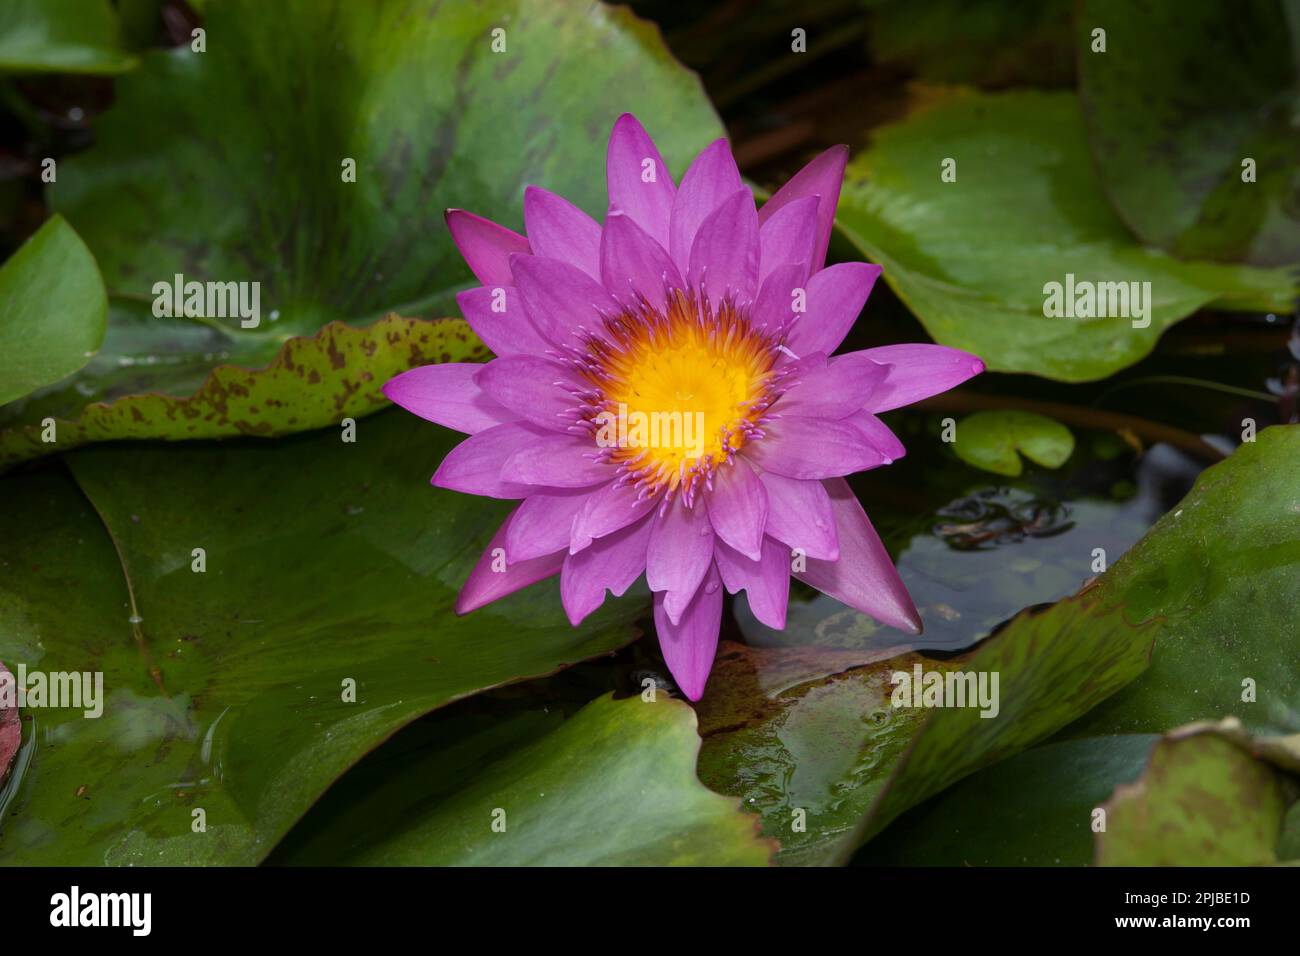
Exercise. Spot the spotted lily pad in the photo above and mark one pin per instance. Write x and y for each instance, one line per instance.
(312, 381)
(1206, 798)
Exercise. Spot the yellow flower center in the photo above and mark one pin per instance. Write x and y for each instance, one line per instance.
(680, 393)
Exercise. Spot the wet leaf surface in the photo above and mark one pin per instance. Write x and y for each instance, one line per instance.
(325, 562)
(972, 257)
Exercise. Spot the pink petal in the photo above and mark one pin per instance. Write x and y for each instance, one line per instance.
(819, 448)
(724, 255)
(498, 318)
(485, 246)
(486, 583)
(680, 553)
(711, 179)
(834, 389)
(738, 508)
(532, 388)
(789, 236)
(11, 730)
(766, 581)
(781, 291)
(863, 577)
(917, 371)
(541, 524)
(690, 643)
(557, 461)
(474, 466)
(557, 229)
(632, 157)
(633, 265)
(835, 297)
(821, 177)
(799, 515)
(878, 435)
(446, 394)
(613, 562)
(613, 507)
(561, 299)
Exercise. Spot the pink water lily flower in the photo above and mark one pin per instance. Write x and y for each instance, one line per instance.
(665, 400)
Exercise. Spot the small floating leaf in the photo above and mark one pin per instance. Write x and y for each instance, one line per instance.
(995, 440)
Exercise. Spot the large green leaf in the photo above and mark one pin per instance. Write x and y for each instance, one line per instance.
(326, 561)
(61, 36)
(52, 310)
(228, 166)
(972, 257)
(1182, 97)
(1219, 576)
(613, 785)
(1222, 572)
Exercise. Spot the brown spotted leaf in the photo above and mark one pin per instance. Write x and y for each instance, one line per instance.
(312, 381)
(1210, 796)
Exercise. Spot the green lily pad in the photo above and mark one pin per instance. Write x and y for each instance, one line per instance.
(614, 785)
(995, 440)
(61, 36)
(227, 691)
(229, 166)
(974, 258)
(1204, 800)
(312, 381)
(1218, 576)
(52, 310)
(1222, 572)
(1198, 161)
